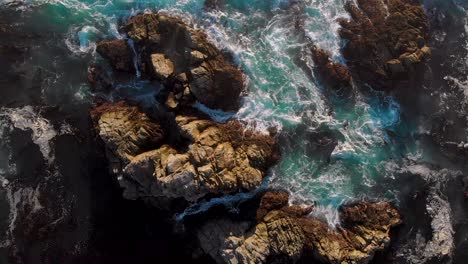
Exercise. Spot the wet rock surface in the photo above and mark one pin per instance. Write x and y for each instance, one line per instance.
(118, 53)
(386, 41)
(286, 233)
(213, 159)
(179, 56)
(334, 75)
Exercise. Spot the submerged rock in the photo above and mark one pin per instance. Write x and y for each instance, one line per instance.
(211, 159)
(285, 233)
(386, 41)
(99, 79)
(167, 48)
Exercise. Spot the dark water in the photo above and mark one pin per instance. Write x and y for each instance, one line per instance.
(59, 205)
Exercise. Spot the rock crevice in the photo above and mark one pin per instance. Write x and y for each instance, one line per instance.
(286, 233)
(218, 158)
(179, 56)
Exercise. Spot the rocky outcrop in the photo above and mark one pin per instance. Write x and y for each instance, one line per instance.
(334, 75)
(210, 159)
(118, 53)
(180, 57)
(386, 40)
(126, 131)
(284, 233)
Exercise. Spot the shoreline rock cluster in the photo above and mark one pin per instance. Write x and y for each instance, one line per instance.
(386, 45)
(283, 233)
(203, 158)
(211, 159)
(179, 154)
(182, 58)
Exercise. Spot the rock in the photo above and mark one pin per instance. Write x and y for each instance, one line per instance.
(118, 53)
(282, 234)
(386, 40)
(214, 4)
(395, 67)
(271, 201)
(215, 159)
(230, 242)
(169, 47)
(163, 67)
(365, 230)
(126, 131)
(208, 81)
(99, 79)
(334, 75)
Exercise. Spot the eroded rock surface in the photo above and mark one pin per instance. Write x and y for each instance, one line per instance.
(118, 53)
(126, 131)
(215, 158)
(285, 232)
(180, 57)
(386, 40)
(334, 75)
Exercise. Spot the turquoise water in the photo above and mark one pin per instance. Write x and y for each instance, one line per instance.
(369, 128)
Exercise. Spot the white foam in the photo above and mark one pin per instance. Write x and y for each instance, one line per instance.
(27, 119)
(226, 200)
(18, 199)
(328, 214)
(217, 115)
(135, 57)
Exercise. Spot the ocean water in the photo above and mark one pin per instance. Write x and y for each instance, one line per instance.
(334, 149)
(260, 34)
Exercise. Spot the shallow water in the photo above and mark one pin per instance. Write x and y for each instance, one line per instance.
(370, 135)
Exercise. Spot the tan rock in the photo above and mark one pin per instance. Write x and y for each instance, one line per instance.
(214, 162)
(126, 130)
(163, 67)
(282, 233)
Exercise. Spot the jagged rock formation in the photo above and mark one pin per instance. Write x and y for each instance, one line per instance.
(386, 40)
(127, 131)
(215, 159)
(179, 56)
(118, 53)
(334, 75)
(286, 234)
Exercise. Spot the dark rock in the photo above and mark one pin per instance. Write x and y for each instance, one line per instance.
(168, 49)
(99, 79)
(118, 53)
(334, 74)
(385, 41)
